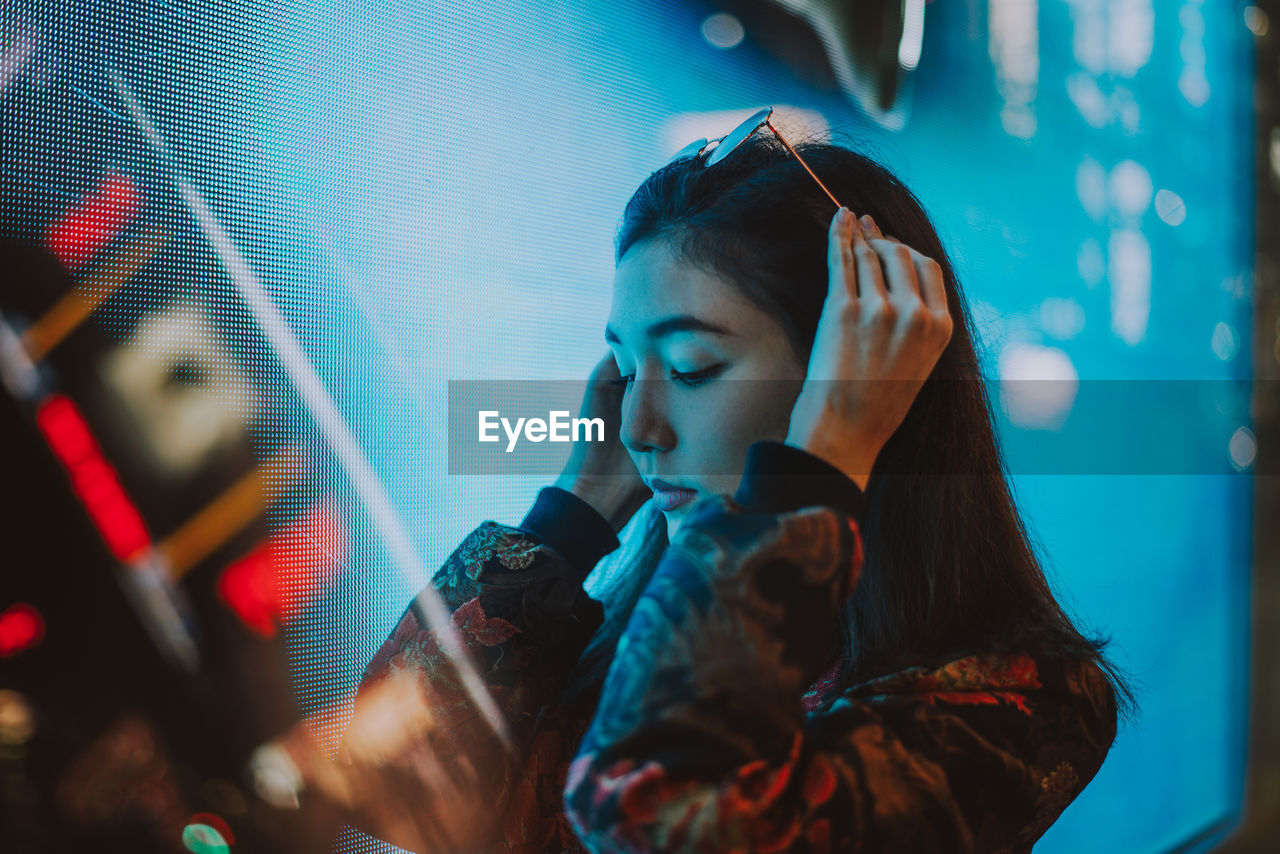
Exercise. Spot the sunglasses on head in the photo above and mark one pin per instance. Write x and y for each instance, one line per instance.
(710, 152)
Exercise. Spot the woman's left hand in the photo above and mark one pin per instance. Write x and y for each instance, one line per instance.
(602, 473)
(884, 325)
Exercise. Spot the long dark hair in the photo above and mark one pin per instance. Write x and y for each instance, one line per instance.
(948, 569)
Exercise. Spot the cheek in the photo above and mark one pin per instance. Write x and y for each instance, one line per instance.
(720, 426)
(757, 409)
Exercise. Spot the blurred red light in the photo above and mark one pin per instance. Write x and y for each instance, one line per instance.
(21, 627)
(92, 477)
(94, 221)
(282, 575)
(249, 589)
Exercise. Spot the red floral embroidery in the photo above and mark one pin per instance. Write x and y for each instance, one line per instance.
(490, 631)
(958, 681)
(819, 836)
(763, 781)
(820, 782)
(647, 790)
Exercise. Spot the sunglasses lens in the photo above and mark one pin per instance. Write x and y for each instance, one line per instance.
(739, 135)
(693, 149)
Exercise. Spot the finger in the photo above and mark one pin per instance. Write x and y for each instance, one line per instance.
(840, 269)
(867, 261)
(900, 272)
(933, 288)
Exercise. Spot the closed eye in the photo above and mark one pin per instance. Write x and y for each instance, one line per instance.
(694, 378)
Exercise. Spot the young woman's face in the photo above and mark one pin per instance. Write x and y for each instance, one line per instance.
(688, 339)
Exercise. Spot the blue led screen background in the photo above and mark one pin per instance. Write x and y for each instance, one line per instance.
(354, 203)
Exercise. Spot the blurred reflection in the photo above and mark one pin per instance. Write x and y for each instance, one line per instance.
(390, 775)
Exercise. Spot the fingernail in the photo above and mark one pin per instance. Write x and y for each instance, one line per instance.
(843, 215)
(871, 222)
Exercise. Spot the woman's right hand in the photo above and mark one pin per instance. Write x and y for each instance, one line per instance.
(880, 334)
(602, 473)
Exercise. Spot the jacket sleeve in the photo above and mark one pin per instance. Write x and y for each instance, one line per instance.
(701, 742)
(517, 603)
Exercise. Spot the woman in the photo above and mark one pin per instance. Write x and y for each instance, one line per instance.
(848, 643)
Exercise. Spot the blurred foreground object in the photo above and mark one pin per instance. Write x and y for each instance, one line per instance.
(390, 777)
(870, 46)
(142, 597)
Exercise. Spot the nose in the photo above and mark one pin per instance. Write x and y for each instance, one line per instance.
(645, 425)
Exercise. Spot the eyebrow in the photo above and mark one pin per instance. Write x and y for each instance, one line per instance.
(670, 326)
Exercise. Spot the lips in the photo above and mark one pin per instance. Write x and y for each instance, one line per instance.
(667, 495)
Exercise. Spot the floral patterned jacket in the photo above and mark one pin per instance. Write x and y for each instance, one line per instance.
(717, 729)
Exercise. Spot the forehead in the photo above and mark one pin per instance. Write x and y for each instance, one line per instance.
(650, 283)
